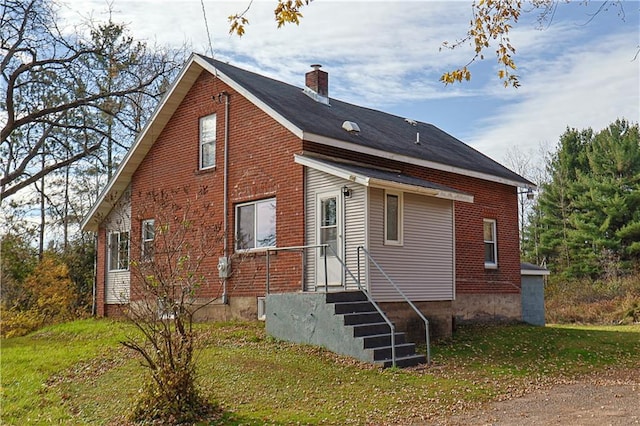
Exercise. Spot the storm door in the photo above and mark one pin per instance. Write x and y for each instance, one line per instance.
(329, 231)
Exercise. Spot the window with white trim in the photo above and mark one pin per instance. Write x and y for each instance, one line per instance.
(118, 251)
(393, 218)
(490, 244)
(208, 141)
(147, 239)
(256, 225)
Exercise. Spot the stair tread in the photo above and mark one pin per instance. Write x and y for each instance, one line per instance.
(370, 323)
(404, 361)
(397, 345)
(397, 333)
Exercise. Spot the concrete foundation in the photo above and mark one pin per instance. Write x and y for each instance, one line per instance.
(487, 308)
(238, 308)
(439, 315)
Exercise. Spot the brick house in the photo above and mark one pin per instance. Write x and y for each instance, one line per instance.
(366, 197)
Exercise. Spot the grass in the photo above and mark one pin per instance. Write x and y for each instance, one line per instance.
(76, 373)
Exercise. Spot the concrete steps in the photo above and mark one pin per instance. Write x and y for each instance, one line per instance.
(369, 327)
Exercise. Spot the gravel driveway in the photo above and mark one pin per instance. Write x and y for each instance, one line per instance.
(610, 400)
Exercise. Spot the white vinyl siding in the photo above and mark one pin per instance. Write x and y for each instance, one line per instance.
(423, 267)
(117, 282)
(353, 221)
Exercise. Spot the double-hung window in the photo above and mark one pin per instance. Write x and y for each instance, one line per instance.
(118, 251)
(393, 218)
(490, 244)
(208, 141)
(147, 238)
(256, 225)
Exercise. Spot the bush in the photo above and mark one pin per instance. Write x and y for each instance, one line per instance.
(47, 297)
(613, 301)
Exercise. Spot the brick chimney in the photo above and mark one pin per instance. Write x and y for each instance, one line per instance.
(318, 81)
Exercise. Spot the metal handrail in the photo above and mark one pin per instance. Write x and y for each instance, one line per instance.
(392, 328)
(426, 321)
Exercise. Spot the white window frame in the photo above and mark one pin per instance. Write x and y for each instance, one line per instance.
(120, 264)
(256, 225)
(399, 218)
(494, 241)
(205, 141)
(147, 241)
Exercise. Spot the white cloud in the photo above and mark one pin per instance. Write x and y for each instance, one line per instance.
(589, 86)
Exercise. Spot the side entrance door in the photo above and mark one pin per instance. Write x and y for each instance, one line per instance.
(329, 231)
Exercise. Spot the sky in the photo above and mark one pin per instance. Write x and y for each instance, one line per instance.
(578, 70)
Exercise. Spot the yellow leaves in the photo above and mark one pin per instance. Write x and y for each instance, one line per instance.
(286, 12)
(491, 23)
(456, 76)
(237, 21)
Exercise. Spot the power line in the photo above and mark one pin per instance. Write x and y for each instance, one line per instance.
(206, 25)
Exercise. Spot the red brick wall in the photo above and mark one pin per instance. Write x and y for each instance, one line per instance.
(260, 166)
(491, 201)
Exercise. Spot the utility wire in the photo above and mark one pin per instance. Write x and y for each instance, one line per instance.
(206, 25)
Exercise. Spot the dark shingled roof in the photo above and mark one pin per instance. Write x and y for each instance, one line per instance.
(378, 130)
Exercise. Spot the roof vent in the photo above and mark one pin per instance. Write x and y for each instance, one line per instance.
(351, 127)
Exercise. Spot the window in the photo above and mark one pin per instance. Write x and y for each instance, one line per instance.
(148, 235)
(393, 218)
(329, 225)
(256, 225)
(118, 251)
(208, 141)
(490, 244)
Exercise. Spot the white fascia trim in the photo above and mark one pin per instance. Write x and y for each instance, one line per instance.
(437, 193)
(250, 96)
(380, 183)
(535, 272)
(332, 170)
(312, 137)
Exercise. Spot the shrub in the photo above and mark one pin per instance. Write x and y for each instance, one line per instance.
(47, 297)
(593, 301)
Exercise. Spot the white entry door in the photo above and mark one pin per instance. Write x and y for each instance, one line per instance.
(329, 231)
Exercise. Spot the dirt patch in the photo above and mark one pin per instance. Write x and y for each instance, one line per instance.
(613, 399)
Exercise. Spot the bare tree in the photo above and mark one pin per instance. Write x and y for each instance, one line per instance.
(523, 164)
(172, 279)
(62, 94)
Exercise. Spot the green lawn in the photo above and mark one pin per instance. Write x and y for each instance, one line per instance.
(77, 373)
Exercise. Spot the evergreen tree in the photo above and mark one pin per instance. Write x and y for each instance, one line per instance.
(588, 215)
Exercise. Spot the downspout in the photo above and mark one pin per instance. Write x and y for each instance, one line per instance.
(225, 297)
(94, 295)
